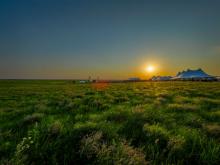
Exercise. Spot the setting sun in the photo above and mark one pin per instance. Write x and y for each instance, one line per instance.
(150, 68)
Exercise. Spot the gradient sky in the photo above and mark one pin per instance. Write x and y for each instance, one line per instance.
(110, 39)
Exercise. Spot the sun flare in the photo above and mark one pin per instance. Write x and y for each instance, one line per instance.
(150, 68)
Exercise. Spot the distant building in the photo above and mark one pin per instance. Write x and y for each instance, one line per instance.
(161, 78)
(189, 74)
(134, 79)
(82, 81)
(196, 75)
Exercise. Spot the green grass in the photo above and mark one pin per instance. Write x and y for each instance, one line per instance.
(59, 122)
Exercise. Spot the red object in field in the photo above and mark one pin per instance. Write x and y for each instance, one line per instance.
(100, 85)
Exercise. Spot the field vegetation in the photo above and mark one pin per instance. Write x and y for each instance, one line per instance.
(59, 122)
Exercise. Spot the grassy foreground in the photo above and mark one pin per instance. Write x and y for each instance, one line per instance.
(59, 122)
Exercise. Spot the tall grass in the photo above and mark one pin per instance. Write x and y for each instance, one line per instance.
(59, 122)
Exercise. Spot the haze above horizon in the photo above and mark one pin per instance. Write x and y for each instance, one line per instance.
(110, 39)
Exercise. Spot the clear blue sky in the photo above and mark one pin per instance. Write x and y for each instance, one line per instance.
(112, 39)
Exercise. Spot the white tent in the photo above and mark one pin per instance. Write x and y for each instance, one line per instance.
(189, 74)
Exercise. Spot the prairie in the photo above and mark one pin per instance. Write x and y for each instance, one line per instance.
(60, 122)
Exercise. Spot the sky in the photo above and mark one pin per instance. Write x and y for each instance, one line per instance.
(109, 39)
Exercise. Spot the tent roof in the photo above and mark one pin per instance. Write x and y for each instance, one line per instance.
(199, 73)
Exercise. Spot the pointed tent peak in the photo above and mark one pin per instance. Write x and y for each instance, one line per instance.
(191, 70)
(179, 73)
(200, 69)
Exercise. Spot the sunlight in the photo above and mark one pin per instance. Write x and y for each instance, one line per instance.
(150, 68)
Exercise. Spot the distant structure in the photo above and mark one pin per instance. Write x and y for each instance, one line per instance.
(82, 81)
(134, 79)
(188, 75)
(90, 79)
(194, 75)
(161, 78)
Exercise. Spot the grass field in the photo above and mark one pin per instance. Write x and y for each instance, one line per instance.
(59, 122)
